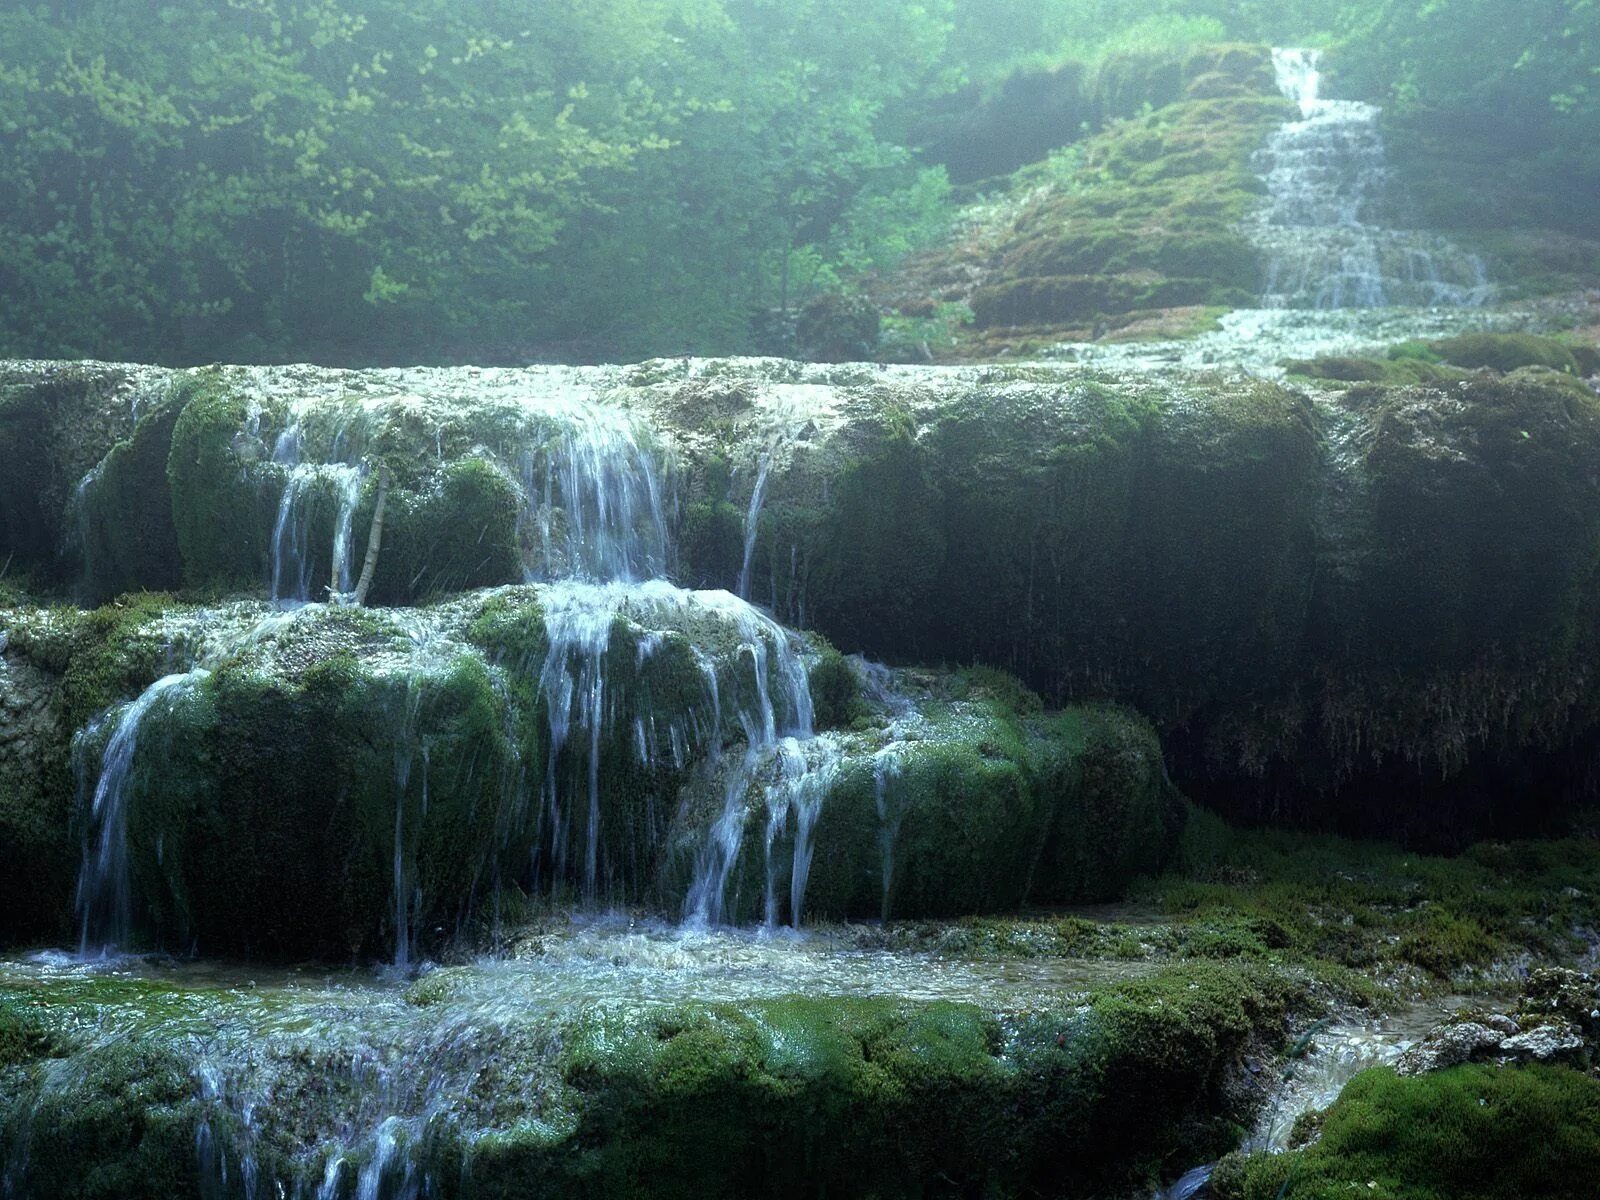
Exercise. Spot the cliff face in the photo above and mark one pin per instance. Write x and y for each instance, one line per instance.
(1358, 608)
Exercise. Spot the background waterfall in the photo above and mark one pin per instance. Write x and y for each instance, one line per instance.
(1331, 232)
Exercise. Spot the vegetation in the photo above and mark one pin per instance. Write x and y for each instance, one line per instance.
(1470, 1133)
(190, 182)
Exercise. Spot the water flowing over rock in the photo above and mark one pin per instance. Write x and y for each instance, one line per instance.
(1332, 231)
(105, 897)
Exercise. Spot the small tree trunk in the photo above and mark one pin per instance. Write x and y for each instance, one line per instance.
(374, 541)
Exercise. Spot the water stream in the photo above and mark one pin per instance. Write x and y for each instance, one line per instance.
(1334, 231)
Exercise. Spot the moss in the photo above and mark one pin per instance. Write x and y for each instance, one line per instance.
(129, 542)
(1116, 816)
(1490, 477)
(1396, 369)
(55, 425)
(1505, 352)
(1127, 538)
(1147, 221)
(223, 503)
(117, 1123)
(889, 1098)
(836, 698)
(1469, 1133)
(712, 543)
(981, 810)
(874, 552)
(116, 652)
(457, 532)
(1373, 908)
(263, 816)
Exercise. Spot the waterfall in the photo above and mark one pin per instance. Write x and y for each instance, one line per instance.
(886, 767)
(593, 501)
(578, 621)
(752, 522)
(105, 892)
(777, 742)
(304, 490)
(1323, 231)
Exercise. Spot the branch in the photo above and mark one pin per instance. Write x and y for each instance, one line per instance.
(374, 540)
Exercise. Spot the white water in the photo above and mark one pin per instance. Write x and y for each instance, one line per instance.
(105, 889)
(594, 502)
(1332, 232)
(752, 522)
(306, 489)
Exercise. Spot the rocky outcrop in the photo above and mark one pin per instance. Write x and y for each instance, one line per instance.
(1370, 609)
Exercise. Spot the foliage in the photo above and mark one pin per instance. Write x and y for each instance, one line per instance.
(1470, 1133)
(187, 181)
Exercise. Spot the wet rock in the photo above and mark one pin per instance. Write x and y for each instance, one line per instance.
(1449, 1046)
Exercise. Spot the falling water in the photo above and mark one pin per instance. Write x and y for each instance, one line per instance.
(593, 506)
(1329, 191)
(304, 489)
(105, 897)
(752, 523)
(777, 738)
(578, 622)
(886, 767)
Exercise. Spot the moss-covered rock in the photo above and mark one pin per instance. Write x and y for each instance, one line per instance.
(896, 1098)
(1475, 1132)
(224, 490)
(1505, 352)
(1148, 221)
(56, 422)
(124, 513)
(118, 1121)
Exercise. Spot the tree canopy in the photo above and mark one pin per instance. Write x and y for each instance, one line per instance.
(190, 180)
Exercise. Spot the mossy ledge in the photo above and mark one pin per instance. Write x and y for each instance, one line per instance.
(887, 1096)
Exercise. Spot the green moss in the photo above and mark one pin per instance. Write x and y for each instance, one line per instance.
(124, 514)
(456, 532)
(1402, 369)
(1505, 352)
(712, 544)
(1146, 222)
(888, 1098)
(875, 553)
(1469, 1133)
(224, 498)
(982, 810)
(55, 425)
(117, 1124)
(1373, 908)
(1116, 816)
(836, 698)
(1491, 478)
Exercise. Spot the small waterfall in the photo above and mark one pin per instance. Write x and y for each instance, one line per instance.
(774, 740)
(578, 621)
(1328, 232)
(752, 523)
(105, 892)
(304, 492)
(886, 767)
(593, 503)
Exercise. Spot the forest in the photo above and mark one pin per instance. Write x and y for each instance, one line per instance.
(799, 599)
(482, 181)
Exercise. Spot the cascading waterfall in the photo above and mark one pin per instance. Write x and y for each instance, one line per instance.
(105, 894)
(593, 506)
(752, 522)
(305, 488)
(578, 621)
(778, 731)
(1323, 230)
(886, 767)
